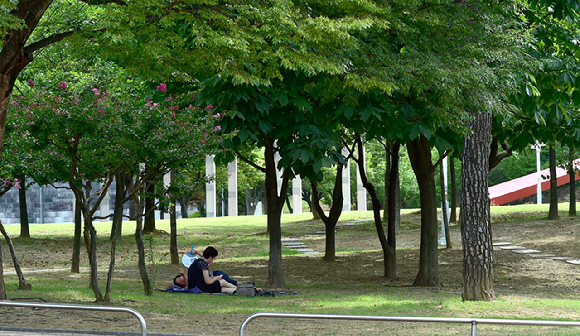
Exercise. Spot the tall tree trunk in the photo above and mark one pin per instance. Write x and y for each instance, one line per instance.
(76, 254)
(92, 233)
(453, 194)
(173, 226)
(2, 283)
(139, 241)
(475, 218)
(572, 174)
(120, 193)
(21, 281)
(149, 226)
(389, 154)
(553, 213)
(394, 215)
(274, 207)
(444, 219)
(388, 250)
(114, 236)
(420, 156)
(24, 225)
(116, 230)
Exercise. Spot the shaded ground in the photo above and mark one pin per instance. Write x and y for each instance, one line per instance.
(514, 274)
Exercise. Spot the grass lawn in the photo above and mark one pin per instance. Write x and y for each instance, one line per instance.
(526, 288)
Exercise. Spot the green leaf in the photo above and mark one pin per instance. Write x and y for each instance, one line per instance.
(283, 99)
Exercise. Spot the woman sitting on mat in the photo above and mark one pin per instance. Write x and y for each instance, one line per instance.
(198, 275)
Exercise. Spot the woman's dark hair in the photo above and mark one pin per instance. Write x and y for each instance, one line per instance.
(210, 251)
(175, 280)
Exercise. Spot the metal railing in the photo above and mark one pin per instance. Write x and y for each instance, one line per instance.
(80, 307)
(473, 321)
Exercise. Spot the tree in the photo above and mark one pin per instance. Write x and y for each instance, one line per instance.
(475, 218)
(97, 135)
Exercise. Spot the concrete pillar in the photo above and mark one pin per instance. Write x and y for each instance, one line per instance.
(166, 184)
(210, 187)
(233, 188)
(361, 192)
(104, 207)
(297, 194)
(346, 183)
(278, 172)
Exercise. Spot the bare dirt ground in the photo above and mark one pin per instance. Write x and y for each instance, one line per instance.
(514, 274)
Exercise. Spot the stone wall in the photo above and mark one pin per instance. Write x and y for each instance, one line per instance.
(57, 204)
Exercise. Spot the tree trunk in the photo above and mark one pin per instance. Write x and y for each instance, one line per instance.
(453, 192)
(333, 216)
(76, 255)
(274, 207)
(420, 156)
(388, 250)
(92, 233)
(394, 215)
(315, 200)
(572, 174)
(173, 226)
(114, 236)
(475, 218)
(120, 193)
(24, 225)
(2, 283)
(21, 281)
(553, 213)
(149, 208)
(444, 219)
(184, 203)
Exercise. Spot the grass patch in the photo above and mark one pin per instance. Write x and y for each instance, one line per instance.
(351, 285)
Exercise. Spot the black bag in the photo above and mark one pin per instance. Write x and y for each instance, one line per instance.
(246, 289)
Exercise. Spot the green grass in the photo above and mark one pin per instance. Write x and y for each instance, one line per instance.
(243, 239)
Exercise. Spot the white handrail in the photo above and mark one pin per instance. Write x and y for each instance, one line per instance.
(80, 307)
(473, 321)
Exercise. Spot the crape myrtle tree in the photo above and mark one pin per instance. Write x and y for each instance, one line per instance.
(94, 135)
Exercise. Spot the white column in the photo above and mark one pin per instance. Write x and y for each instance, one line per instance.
(297, 194)
(278, 172)
(361, 192)
(104, 206)
(210, 187)
(233, 188)
(444, 206)
(346, 183)
(166, 184)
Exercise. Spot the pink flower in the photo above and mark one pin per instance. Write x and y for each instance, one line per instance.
(218, 115)
(162, 87)
(96, 91)
(72, 139)
(202, 142)
(30, 82)
(209, 108)
(218, 128)
(155, 104)
(190, 106)
(174, 108)
(170, 195)
(62, 86)
(35, 104)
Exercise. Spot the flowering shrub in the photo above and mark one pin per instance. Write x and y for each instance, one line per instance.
(102, 131)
